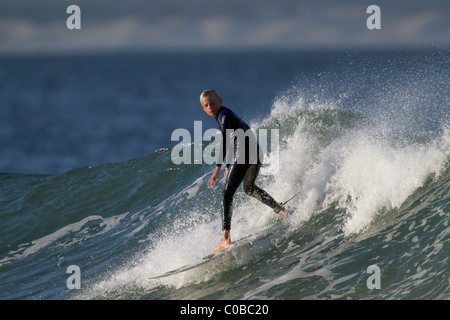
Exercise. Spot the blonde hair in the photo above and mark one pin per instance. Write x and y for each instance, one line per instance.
(208, 93)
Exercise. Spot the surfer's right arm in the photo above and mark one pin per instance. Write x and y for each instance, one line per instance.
(222, 153)
(215, 174)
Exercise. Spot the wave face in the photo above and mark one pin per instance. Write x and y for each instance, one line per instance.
(372, 182)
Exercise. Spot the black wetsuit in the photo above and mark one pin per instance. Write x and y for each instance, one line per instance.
(245, 164)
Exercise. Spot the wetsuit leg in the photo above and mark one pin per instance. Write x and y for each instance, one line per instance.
(252, 190)
(247, 173)
(235, 176)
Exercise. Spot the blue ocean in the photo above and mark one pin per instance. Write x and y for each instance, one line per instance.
(92, 205)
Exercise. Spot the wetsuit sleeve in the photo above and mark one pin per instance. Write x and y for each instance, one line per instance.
(224, 121)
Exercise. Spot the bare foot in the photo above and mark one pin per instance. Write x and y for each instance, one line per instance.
(284, 213)
(224, 242)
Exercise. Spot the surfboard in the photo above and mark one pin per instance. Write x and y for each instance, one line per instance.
(264, 231)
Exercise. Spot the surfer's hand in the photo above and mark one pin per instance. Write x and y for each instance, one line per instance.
(213, 177)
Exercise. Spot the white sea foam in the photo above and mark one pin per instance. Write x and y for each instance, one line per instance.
(374, 175)
(365, 170)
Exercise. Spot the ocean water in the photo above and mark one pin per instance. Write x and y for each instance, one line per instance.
(87, 179)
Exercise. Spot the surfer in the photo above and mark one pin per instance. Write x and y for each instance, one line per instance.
(245, 165)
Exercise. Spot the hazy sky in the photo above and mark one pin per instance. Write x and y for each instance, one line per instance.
(108, 25)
